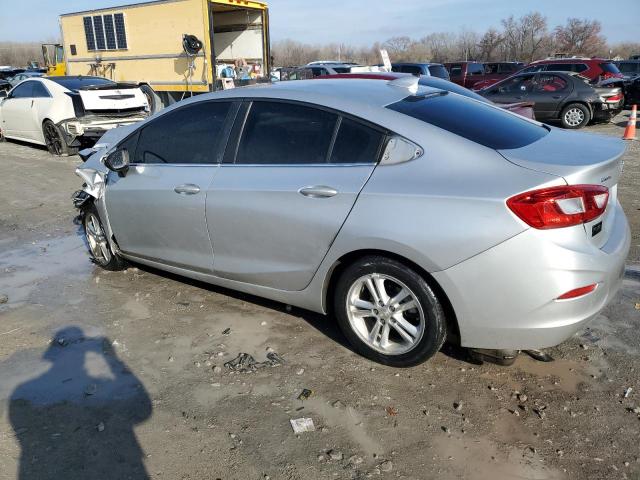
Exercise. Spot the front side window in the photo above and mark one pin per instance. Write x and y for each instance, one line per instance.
(455, 70)
(279, 133)
(24, 90)
(519, 84)
(479, 122)
(609, 67)
(187, 135)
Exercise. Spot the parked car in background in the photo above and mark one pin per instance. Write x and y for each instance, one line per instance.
(468, 74)
(62, 112)
(567, 97)
(7, 72)
(418, 69)
(318, 69)
(632, 91)
(524, 109)
(415, 211)
(595, 69)
(16, 79)
(5, 85)
(629, 68)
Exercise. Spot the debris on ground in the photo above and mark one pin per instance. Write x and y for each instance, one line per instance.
(386, 466)
(627, 392)
(391, 411)
(300, 371)
(457, 406)
(540, 411)
(226, 331)
(216, 369)
(305, 394)
(337, 404)
(355, 460)
(246, 363)
(4, 298)
(301, 425)
(100, 427)
(334, 455)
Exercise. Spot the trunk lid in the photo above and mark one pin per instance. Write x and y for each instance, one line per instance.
(114, 100)
(578, 158)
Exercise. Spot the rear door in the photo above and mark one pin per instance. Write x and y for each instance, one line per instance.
(548, 93)
(283, 194)
(157, 210)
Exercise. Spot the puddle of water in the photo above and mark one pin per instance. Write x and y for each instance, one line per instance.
(569, 374)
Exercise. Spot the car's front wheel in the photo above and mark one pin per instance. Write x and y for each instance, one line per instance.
(98, 241)
(55, 140)
(575, 115)
(388, 312)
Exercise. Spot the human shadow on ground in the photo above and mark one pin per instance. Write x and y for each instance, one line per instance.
(77, 419)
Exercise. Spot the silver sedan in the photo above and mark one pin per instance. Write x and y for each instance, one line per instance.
(406, 213)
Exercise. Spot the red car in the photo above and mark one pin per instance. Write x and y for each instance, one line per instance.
(524, 109)
(468, 74)
(595, 69)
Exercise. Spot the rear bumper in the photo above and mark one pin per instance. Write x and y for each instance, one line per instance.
(606, 111)
(505, 297)
(96, 126)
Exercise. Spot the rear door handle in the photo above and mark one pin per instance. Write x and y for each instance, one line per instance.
(187, 189)
(318, 191)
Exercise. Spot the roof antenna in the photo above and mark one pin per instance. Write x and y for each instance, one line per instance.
(410, 82)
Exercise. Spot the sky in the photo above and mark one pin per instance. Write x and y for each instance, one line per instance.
(356, 22)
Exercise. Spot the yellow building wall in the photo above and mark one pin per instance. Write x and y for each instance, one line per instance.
(154, 51)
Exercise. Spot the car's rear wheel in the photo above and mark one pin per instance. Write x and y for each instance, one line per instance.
(388, 312)
(575, 115)
(55, 140)
(98, 241)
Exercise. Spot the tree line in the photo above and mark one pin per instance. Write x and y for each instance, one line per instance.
(525, 39)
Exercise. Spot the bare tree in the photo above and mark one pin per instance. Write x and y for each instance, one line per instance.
(625, 49)
(580, 37)
(398, 47)
(441, 46)
(467, 45)
(526, 38)
(489, 44)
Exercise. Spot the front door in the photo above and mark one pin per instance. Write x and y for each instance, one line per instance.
(512, 90)
(157, 210)
(17, 112)
(275, 209)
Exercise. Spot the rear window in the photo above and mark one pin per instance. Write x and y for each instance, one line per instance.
(438, 71)
(455, 70)
(76, 83)
(475, 121)
(475, 69)
(609, 67)
(629, 67)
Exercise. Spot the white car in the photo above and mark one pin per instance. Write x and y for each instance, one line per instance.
(60, 112)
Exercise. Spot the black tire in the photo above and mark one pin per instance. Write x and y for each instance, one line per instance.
(56, 140)
(575, 115)
(102, 254)
(434, 328)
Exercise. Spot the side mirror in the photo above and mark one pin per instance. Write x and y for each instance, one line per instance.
(118, 161)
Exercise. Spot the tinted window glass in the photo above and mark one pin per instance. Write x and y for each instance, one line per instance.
(475, 69)
(550, 84)
(438, 71)
(39, 90)
(191, 134)
(535, 68)
(559, 67)
(609, 67)
(450, 87)
(580, 67)
(491, 68)
(629, 67)
(342, 69)
(519, 84)
(455, 70)
(412, 69)
(76, 83)
(481, 123)
(356, 143)
(23, 90)
(285, 133)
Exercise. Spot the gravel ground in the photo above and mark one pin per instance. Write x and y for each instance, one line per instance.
(120, 375)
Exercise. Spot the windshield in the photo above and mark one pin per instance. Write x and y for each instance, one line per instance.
(77, 83)
(609, 67)
(438, 71)
(479, 122)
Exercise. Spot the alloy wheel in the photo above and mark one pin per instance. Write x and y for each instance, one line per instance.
(52, 139)
(385, 314)
(574, 117)
(97, 240)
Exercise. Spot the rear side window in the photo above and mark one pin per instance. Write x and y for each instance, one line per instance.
(280, 133)
(356, 143)
(187, 135)
(546, 83)
(39, 90)
(455, 70)
(629, 67)
(559, 67)
(438, 71)
(475, 121)
(412, 69)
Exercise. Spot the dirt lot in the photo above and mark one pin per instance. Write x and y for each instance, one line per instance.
(127, 387)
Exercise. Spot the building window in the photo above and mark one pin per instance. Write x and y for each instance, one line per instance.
(105, 32)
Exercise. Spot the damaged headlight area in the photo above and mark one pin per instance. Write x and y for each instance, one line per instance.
(94, 182)
(80, 199)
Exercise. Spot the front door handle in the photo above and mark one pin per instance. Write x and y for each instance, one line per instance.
(187, 189)
(318, 191)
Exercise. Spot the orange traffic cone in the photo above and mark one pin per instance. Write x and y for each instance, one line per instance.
(630, 131)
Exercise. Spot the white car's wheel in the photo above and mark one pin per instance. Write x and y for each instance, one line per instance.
(56, 140)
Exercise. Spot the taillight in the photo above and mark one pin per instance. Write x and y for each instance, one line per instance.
(613, 98)
(557, 207)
